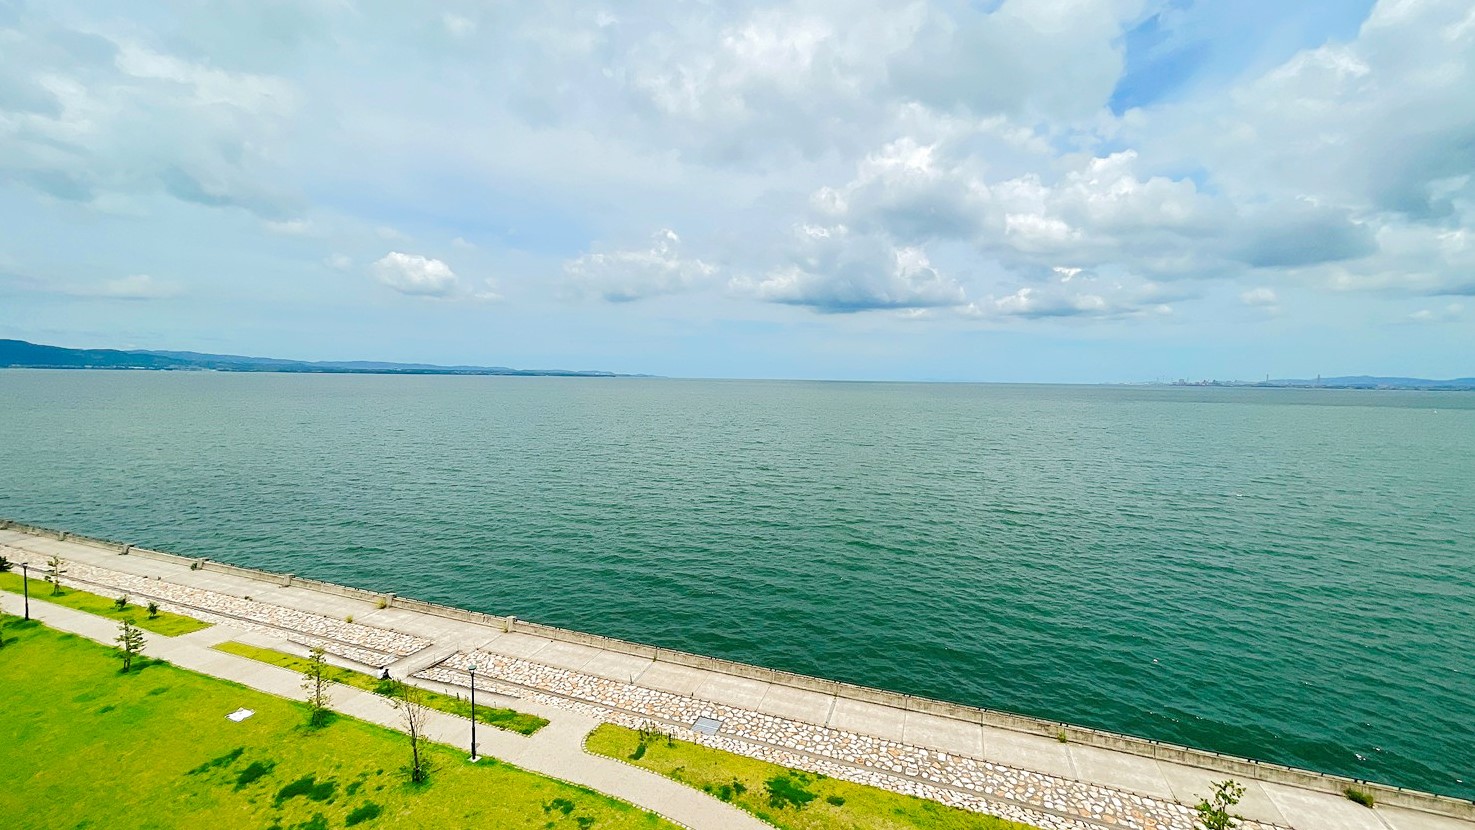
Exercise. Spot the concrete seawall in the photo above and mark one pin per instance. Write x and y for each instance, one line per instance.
(1237, 767)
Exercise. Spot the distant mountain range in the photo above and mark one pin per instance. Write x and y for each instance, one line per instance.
(1345, 382)
(20, 354)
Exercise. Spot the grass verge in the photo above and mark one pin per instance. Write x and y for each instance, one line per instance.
(85, 746)
(167, 624)
(500, 717)
(787, 798)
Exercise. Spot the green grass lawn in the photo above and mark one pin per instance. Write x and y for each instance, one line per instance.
(83, 746)
(502, 718)
(167, 624)
(790, 799)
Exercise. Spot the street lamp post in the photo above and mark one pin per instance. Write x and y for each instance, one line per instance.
(472, 670)
(25, 582)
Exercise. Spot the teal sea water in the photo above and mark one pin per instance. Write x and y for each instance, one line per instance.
(1288, 575)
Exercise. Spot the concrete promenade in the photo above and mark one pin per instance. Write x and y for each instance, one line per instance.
(556, 750)
(1028, 777)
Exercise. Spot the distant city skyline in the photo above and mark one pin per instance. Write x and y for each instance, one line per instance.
(1098, 191)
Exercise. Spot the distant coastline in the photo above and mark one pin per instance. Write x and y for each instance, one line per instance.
(20, 354)
(1347, 382)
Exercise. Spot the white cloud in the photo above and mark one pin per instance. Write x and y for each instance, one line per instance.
(290, 227)
(1445, 314)
(132, 287)
(1077, 293)
(621, 276)
(832, 269)
(103, 119)
(417, 275)
(1259, 298)
(338, 262)
(458, 26)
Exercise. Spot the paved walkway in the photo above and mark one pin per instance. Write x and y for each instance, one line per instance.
(1027, 777)
(556, 750)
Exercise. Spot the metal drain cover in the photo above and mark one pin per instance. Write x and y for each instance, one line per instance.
(706, 725)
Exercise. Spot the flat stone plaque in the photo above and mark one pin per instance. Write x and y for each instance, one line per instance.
(706, 725)
(240, 715)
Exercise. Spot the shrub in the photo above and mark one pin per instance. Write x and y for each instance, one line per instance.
(1061, 736)
(121, 603)
(5, 565)
(1362, 797)
(639, 752)
(837, 800)
(348, 619)
(153, 610)
(383, 603)
(1213, 812)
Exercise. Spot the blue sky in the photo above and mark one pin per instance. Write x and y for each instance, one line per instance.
(1025, 190)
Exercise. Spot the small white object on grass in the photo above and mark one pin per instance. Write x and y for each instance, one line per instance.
(240, 715)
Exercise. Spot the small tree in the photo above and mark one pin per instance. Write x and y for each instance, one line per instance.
(130, 643)
(153, 610)
(121, 603)
(56, 567)
(1213, 812)
(5, 565)
(315, 683)
(410, 701)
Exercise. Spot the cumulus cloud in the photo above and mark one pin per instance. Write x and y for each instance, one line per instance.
(834, 270)
(626, 275)
(1038, 60)
(1070, 292)
(417, 276)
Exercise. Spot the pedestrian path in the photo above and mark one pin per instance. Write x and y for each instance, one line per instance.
(1029, 777)
(555, 751)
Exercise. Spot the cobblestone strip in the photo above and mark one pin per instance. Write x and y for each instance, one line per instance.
(364, 644)
(1042, 800)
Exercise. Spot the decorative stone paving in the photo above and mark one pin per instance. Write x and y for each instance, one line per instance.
(360, 643)
(1034, 798)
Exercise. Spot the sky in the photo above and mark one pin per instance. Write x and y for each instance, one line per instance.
(997, 190)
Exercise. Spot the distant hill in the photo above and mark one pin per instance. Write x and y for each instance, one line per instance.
(21, 354)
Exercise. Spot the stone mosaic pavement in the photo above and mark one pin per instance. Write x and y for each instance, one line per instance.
(360, 643)
(1033, 798)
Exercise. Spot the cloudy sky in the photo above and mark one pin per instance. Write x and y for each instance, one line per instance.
(1015, 190)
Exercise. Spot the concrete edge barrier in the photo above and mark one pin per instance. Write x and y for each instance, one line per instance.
(447, 611)
(1245, 768)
